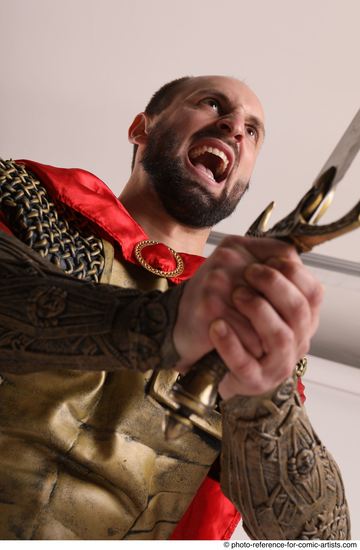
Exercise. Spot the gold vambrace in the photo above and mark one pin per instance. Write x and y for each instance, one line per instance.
(51, 320)
(277, 472)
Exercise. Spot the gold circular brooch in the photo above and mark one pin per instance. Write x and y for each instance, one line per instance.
(159, 272)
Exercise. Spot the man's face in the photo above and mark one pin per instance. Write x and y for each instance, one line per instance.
(201, 150)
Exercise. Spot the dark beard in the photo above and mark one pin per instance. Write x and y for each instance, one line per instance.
(183, 198)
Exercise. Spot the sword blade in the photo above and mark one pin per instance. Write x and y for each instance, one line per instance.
(321, 193)
(344, 152)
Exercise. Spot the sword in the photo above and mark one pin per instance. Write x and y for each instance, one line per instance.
(196, 392)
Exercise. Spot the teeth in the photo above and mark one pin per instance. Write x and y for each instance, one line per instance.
(214, 151)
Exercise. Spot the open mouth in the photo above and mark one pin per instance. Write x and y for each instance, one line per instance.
(211, 160)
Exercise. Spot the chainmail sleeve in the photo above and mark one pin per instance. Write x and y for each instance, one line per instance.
(52, 320)
(277, 472)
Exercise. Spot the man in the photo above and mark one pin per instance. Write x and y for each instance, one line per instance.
(83, 454)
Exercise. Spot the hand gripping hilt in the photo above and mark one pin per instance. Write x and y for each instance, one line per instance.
(196, 392)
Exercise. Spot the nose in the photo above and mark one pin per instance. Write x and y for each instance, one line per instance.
(233, 125)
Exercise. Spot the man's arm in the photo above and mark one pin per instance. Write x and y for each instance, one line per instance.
(277, 472)
(50, 320)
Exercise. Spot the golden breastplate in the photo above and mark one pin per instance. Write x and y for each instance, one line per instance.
(82, 454)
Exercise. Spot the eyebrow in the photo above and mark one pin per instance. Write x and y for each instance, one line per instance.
(252, 119)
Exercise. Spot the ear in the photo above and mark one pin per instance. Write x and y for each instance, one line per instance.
(138, 130)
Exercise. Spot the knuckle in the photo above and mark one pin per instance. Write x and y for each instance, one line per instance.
(290, 252)
(283, 249)
(299, 309)
(216, 279)
(231, 241)
(284, 339)
(291, 269)
(271, 276)
(316, 294)
(224, 256)
(253, 300)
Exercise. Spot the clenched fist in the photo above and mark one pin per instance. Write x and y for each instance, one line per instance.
(255, 302)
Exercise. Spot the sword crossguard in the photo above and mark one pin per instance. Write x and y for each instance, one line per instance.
(299, 227)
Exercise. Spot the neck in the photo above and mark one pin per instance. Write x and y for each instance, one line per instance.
(142, 202)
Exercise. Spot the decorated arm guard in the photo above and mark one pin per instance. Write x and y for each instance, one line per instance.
(51, 320)
(277, 472)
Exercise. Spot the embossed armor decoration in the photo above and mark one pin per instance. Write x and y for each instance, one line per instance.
(298, 493)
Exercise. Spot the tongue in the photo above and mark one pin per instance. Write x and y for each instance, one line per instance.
(204, 169)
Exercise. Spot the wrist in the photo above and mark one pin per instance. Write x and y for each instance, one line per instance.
(143, 331)
(258, 407)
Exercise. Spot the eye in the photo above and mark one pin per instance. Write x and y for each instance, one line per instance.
(213, 103)
(252, 132)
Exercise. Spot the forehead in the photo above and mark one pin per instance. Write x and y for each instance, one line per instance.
(238, 93)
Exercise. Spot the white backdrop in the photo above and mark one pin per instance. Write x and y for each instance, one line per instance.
(75, 72)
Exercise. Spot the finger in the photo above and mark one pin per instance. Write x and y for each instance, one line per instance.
(217, 303)
(277, 337)
(304, 280)
(231, 252)
(285, 297)
(245, 332)
(245, 376)
(263, 249)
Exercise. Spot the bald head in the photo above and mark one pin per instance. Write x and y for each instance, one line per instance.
(177, 89)
(233, 91)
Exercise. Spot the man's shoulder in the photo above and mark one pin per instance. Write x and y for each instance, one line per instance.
(60, 178)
